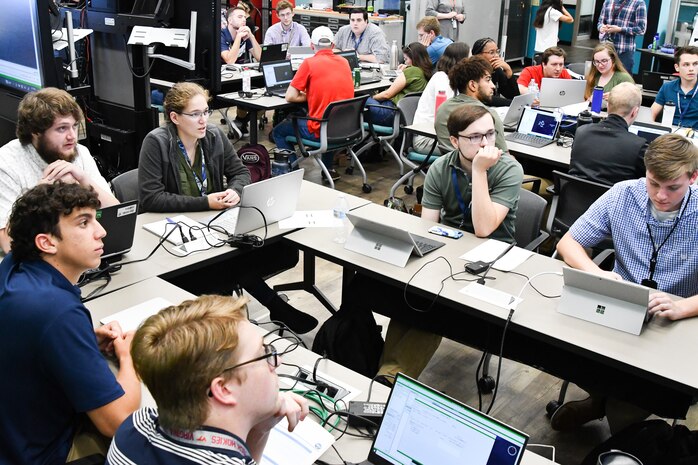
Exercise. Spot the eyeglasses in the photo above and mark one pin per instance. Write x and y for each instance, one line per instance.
(492, 52)
(478, 138)
(270, 355)
(198, 114)
(602, 61)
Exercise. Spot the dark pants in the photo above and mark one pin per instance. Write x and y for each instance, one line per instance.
(628, 60)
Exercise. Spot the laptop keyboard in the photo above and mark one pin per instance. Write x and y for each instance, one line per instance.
(425, 245)
(527, 139)
(227, 221)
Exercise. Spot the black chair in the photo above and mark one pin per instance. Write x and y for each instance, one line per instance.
(125, 186)
(341, 127)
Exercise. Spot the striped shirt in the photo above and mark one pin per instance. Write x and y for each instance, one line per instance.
(630, 15)
(624, 214)
(140, 440)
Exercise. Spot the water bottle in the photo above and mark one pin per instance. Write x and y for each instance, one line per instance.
(533, 89)
(597, 99)
(668, 114)
(246, 80)
(440, 98)
(341, 207)
(655, 42)
(280, 163)
(394, 59)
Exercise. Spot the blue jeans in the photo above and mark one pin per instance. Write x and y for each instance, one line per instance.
(628, 60)
(380, 116)
(285, 129)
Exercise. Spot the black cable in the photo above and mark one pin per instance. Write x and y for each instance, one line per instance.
(481, 280)
(477, 379)
(130, 66)
(370, 385)
(499, 363)
(450, 276)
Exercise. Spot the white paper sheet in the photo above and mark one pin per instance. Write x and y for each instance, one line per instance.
(311, 219)
(574, 109)
(491, 296)
(491, 249)
(301, 447)
(131, 318)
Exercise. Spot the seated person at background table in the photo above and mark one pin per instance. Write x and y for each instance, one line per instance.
(57, 388)
(416, 72)
(429, 35)
(454, 53)
(239, 45)
(190, 165)
(503, 77)
(472, 78)
(366, 38)
(552, 66)
(474, 188)
(287, 31)
(547, 24)
(319, 81)
(450, 13)
(655, 217)
(46, 150)
(607, 152)
(681, 91)
(607, 71)
(215, 384)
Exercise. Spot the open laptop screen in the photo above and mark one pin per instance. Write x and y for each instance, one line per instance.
(539, 123)
(422, 425)
(277, 73)
(649, 131)
(350, 56)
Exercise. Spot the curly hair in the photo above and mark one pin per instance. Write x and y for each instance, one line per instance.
(38, 110)
(470, 69)
(39, 210)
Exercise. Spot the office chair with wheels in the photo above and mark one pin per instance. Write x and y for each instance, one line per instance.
(341, 127)
(125, 186)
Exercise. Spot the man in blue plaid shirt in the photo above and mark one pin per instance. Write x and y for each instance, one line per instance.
(653, 223)
(620, 22)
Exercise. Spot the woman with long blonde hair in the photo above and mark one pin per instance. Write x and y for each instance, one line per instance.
(607, 70)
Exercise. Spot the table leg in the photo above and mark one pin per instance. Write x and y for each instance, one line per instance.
(308, 282)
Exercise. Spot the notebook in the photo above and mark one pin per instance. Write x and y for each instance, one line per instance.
(515, 109)
(367, 76)
(620, 305)
(423, 426)
(648, 130)
(119, 221)
(271, 52)
(275, 197)
(386, 243)
(556, 93)
(536, 128)
(277, 77)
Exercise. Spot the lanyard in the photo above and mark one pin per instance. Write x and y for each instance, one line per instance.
(678, 103)
(290, 32)
(200, 181)
(206, 438)
(459, 197)
(616, 11)
(358, 42)
(650, 282)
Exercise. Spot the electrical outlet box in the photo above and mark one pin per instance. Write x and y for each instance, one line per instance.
(333, 387)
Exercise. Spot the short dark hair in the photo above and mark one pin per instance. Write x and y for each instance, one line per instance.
(452, 55)
(38, 111)
(479, 44)
(557, 51)
(359, 11)
(463, 116)
(469, 69)
(39, 210)
(687, 50)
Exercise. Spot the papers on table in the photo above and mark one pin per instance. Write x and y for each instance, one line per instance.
(491, 249)
(303, 446)
(574, 109)
(131, 318)
(311, 219)
(491, 296)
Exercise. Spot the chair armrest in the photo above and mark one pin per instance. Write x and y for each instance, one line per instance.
(600, 258)
(535, 181)
(535, 243)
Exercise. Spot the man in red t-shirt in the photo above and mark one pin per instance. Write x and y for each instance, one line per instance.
(552, 66)
(320, 80)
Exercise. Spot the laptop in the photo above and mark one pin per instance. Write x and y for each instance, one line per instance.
(275, 197)
(620, 305)
(298, 54)
(556, 93)
(424, 426)
(516, 107)
(387, 243)
(648, 130)
(119, 221)
(367, 75)
(271, 52)
(536, 128)
(653, 81)
(277, 77)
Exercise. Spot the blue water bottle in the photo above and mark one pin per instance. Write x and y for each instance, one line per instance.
(597, 99)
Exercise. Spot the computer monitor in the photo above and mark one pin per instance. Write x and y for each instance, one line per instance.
(649, 131)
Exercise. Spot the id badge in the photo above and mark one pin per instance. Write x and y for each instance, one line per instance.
(454, 23)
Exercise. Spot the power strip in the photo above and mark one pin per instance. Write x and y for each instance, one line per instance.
(327, 387)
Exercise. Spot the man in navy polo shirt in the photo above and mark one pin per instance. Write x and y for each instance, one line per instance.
(50, 355)
(214, 380)
(681, 92)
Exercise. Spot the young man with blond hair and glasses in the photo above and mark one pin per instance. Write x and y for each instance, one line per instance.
(215, 384)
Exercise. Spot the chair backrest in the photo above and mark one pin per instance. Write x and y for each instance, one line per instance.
(577, 68)
(408, 106)
(529, 217)
(573, 196)
(345, 123)
(125, 186)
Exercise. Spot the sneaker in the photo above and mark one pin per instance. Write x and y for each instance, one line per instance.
(573, 415)
(333, 174)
